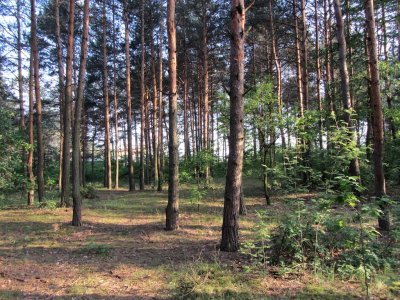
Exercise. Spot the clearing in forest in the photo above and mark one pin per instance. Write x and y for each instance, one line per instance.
(122, 252)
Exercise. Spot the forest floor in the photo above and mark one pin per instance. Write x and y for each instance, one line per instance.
(123, 252)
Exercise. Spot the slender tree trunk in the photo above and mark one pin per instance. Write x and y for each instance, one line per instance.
(39, 130)
(318, 66)
(327, 38)
(31, 176)
(76, 156)
(147, 139)
(377, 115)
(185, 102)
(20, 83)
(298, 63)
(84, 140)
(20, 79)
(155, 115)
(205, 83)
(233, 187)
(131, 176)
(389, 96)
(172, 210)
(108, 178)
(350, 52)
(142, 104)
(136, 138)
(354, 169)
(192, 122)
(304, 54)
(93, 153)
(61, 88)
(161, 110)
(65, 191)
(116, 131)
(278, 72)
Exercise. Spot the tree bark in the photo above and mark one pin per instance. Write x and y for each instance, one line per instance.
(76, 137)
(108, 181)
(39, 130)
(142, 104)
(205, 82)
(389, 96)
(131, 176)
(233, 187)
(20, 81)
(155, 113)
(60, 88)
(304, 54)
(354, 168)
(161, 110)
(116, 131)
(318, 67)
(278, 72)
(377, 116)
(185, 100)
(299, 73)
(65, 190)
(31, 176)
(172, 210)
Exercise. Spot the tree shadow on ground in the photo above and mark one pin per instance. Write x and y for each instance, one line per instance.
(12, 295)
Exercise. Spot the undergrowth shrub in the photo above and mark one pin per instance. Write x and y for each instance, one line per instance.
(48, 204)
(89, 192)
(324, 236)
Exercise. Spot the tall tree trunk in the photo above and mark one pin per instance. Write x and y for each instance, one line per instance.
(185, 101)
(142, 104)
(20, 83)
(304, 54)
(155, 115)
(93, 154)
(172, 210)
(233, 187)
(278, 72)
(84, 141)
(131, 176)
(192, 122)
(39, 130)
(327, 38)
(20, 79)
(31, 176)
(389, 96)
(377, 116)
(108, 178)
(205, 82)
(147, 138)
(116, 131)
(354, 169)
(76, 155)
(318, 66)
(350, 52)
(299, 72)
(161, 109)
(60, 88)
(65, 191)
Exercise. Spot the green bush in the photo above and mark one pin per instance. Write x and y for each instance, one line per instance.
(89, 192)
(48, 204)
